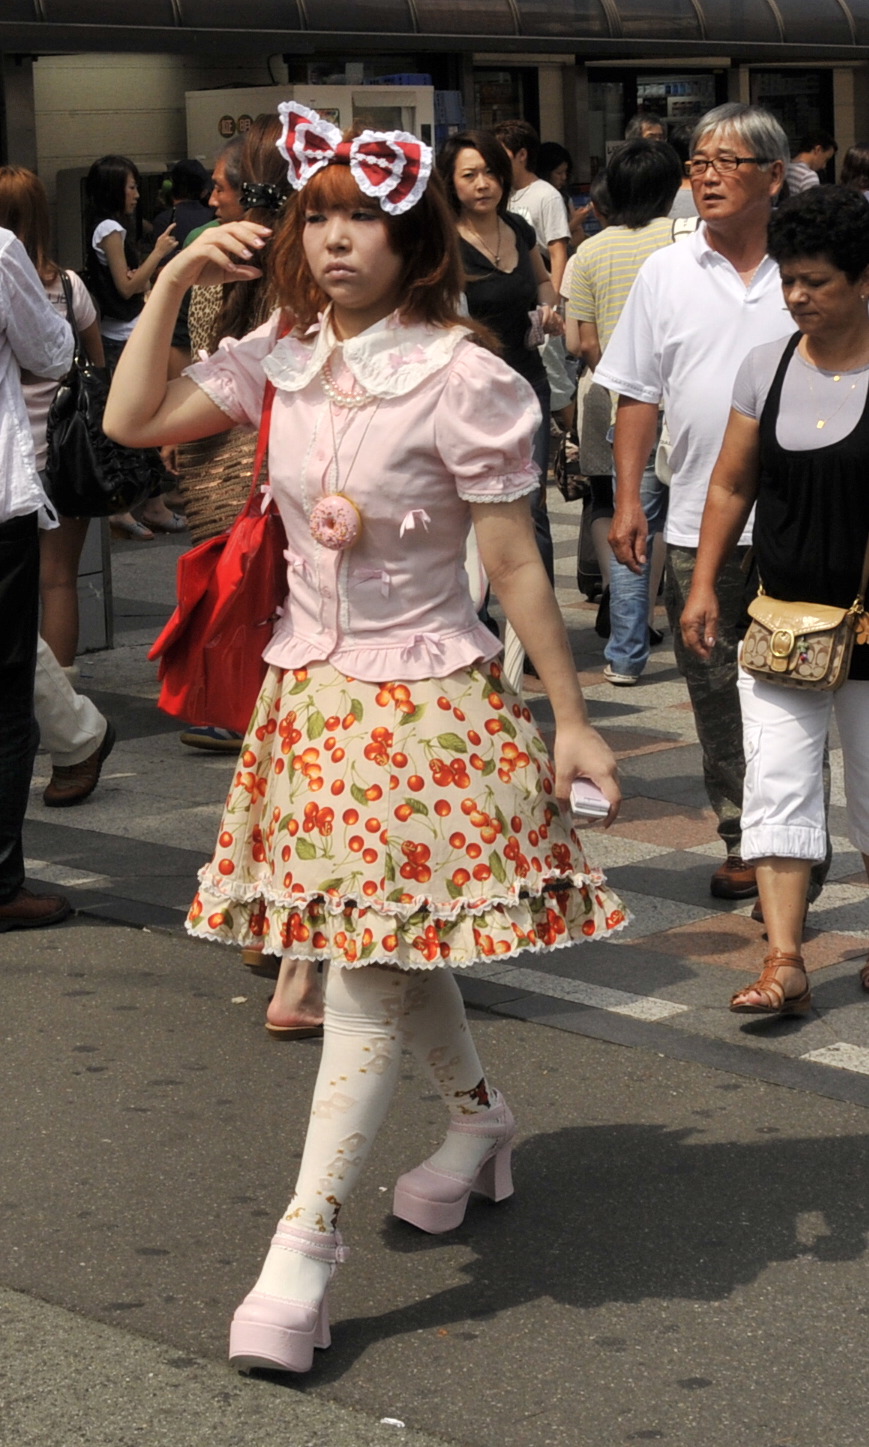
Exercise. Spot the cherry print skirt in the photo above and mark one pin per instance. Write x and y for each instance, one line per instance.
(405, 824)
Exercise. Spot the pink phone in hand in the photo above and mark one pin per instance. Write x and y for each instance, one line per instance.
(587, 801)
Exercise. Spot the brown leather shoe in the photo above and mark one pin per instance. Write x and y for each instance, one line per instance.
(734, 880)
(72, 783)
(31, 911)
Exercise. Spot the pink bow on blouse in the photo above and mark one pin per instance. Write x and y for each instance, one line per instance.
(393, 167)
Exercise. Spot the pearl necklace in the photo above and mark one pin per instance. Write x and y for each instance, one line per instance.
(335, 394)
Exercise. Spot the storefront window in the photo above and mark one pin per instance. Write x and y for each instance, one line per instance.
(802, 100)
(504, 95)
(677, 97)
(678, 100)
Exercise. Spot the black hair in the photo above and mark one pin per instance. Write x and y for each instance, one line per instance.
(106, 186)
(643, 178)
(493, 153)
(520, 136)
(550, 155)
(828, 221)
(189, 180)
(855, 166)
(680, 138)
(599, 196)
(816, 138)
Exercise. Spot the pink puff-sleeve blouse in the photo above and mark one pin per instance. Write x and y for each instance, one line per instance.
(448, 424)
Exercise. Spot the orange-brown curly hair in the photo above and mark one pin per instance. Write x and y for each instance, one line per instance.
(425, 237)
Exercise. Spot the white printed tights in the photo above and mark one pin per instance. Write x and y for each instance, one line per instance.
(371, 1014)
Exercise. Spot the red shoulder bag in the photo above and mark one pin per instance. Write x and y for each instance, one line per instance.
(229, 589)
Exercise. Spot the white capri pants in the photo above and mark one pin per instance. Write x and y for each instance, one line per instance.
(784, 730)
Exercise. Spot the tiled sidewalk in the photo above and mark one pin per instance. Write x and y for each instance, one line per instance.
(132, 851)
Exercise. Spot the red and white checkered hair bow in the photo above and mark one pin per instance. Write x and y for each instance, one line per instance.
(390, 166)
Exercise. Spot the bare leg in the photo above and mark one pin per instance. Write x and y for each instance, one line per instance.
(298, 997)
(59, 553)
(782, 885)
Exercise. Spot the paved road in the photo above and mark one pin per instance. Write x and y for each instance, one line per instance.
(684, 1260)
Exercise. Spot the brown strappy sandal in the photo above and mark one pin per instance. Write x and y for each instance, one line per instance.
(864, 975)
(768, 984)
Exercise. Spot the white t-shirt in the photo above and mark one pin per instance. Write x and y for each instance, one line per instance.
(38, 395)
(110, 327)
(543, 208)
(687, 324)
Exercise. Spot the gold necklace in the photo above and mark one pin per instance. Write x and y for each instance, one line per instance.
(495, 255)
(837, 377)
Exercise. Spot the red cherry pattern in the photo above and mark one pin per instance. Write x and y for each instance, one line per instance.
(406, 823)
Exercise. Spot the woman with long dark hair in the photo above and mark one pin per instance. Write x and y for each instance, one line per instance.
(118, 282)
(505, 277)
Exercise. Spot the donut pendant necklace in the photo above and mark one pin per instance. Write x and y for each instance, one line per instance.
(335, 520)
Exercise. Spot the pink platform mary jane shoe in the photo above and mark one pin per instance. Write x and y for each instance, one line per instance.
(278, 1335)
(435, 1200)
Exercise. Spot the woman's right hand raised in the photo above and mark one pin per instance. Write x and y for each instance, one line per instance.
(166, 242)
(220, 254)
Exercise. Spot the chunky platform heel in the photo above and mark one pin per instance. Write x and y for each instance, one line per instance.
(278, 1335)
(435, 1200)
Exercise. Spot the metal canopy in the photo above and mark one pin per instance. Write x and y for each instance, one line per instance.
(752, 29)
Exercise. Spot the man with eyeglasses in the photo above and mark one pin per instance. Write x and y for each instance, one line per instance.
(694, 312)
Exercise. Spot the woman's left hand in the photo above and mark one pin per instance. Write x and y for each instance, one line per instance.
(580, 750)
(552, 322)
(219, 254)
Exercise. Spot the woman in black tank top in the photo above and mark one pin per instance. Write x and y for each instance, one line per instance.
(505, 278)
(804, 460)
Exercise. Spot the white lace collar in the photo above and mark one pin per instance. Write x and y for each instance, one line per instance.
(388, 360)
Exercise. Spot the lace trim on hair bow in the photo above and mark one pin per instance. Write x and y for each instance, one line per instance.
(392, 167)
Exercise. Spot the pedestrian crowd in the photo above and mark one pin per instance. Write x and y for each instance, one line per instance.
(400, 339)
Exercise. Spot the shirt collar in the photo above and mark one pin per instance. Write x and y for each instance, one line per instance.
(388, 359)
(708, 256)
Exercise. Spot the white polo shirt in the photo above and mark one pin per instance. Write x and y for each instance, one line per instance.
(687, 324)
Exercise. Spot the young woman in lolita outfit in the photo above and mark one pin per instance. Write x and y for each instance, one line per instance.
(395, 812)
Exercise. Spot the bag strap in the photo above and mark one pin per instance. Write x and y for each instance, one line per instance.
(262, 447)
(70, 314)
(864, 579)
(262, 442)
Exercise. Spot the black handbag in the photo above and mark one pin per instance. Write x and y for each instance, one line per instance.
(87, 474)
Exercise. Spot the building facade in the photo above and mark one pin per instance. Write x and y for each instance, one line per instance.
(78, 79)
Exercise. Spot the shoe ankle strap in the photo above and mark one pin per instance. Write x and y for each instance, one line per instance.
(325, 1246)
(482, 1122)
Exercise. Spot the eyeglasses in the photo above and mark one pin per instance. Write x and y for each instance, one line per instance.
(722, 165)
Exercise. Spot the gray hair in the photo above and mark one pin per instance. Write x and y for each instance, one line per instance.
(758, 128)
(636, 125)
(231, 155)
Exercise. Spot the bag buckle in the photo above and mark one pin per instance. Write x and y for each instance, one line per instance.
(781, 646)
